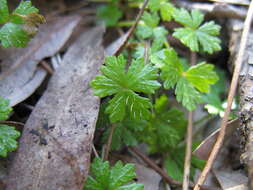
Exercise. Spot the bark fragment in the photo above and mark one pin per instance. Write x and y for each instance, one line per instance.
(246, 95)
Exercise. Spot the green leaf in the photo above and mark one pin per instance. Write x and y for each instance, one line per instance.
(197, 163)
(165, 129)
(110, 14)
(8, 136)
(121, 174)
(201, 76)
(12, 35)
(4, 12)
(172, 69)
(195, 36)
(124, 101)
(186, 94)
(25, 8)
(116, 178)
(191, 20)
(26, 13)
(124, 85)
(101, 171)
(160, 37)
(173, 169)
(167, 11)
(5, 110)
(154, 5)
(151, 19)
(143, 31)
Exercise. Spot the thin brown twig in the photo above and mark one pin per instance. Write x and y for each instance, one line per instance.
(232, 91)
(46, 66)
(109, 142)
(131, 30)
(162, 173)
(16, 124)
(154, 166)
(188, 152)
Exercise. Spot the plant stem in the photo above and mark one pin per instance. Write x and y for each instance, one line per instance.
(188, 152)
(125, 23)
(187, 161)
(131, 30)
(109, 142)
(232, 91)
(154, 166)
(99, 1)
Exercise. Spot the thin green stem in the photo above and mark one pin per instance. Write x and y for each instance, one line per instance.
(125, 23)
(187, 162)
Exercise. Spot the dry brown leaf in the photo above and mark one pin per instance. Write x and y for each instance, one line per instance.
(230, 178)
(204, 149)
(20, 77)
(148, 177)
(55, 147)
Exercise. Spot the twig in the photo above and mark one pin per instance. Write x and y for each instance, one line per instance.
(131, 30)
(153, 165)
(232, 91)
(46, 66)
(94, 150)
(162, 173)
(109, 142)
(16, 124)
(231, 2)
(188, 152)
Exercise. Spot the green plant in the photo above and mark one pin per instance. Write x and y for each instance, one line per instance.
(140, 113)
(110, 13)
(8, 135)
(20, 25)
(115, 178)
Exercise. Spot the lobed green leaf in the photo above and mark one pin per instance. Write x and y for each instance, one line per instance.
(8, 136)
(195, 36)
(4, 11)
(201, 76)
(5, 110)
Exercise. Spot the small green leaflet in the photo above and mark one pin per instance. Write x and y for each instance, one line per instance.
(151, 19)
(171, 69)
(164, 6)
(194, 35)
(125, 85)
(5, 110)
(8, 135)
(4, 11)
(125, 133)
(25, 8)
(110, 14)
(148, 28)
(20, 25)
(201, 76)
(12, 35)
(187, 94)
(174, 163)
(165, 129)
(115, 178)
(7, 139)
(188, 83)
